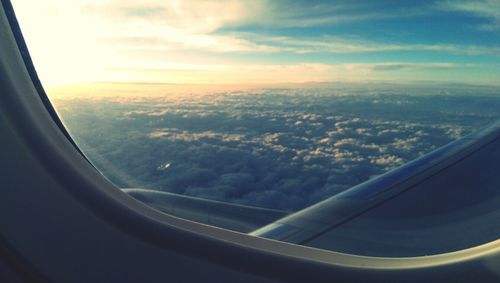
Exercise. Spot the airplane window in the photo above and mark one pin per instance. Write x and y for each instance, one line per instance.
(239, 113)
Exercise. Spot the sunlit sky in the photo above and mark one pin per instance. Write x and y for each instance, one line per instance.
(260, 41)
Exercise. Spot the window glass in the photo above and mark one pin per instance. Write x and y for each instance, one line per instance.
(271, 106)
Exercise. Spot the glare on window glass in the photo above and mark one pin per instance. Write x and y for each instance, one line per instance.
(271, 106)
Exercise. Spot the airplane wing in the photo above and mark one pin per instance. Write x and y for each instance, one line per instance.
(231, 216)
(445, 201)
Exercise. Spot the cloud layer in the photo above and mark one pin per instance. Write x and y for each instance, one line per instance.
(282, 148)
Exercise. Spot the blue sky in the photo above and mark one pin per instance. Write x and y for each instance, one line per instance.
(263, 41)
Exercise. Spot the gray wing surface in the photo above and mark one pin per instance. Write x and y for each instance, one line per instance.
(235, 217)
(445, 201)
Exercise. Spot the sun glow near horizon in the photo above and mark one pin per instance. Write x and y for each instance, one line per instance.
(260, 42)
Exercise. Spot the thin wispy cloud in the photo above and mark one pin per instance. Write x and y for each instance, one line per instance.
(348, 45)
(210, 15)
(192, 17)
(488, 9)
(169, 40)
(398, 66)
(188, 25)
(93, 40)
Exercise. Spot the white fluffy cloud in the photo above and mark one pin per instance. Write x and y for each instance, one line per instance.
(246, 146)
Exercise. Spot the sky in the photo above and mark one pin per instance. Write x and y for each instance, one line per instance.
(262, 41)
